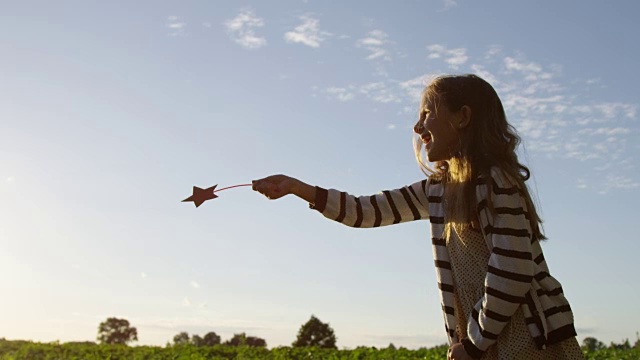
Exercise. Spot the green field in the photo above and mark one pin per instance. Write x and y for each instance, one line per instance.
(88, 351)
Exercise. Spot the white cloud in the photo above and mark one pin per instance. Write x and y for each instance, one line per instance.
(582, 184)
(483, 73)
(513, 64)
(379, 92)
(531, 70)
(241, 29)
(339, 93)
(453, 57)
(186, 301)
(448, 4)
(391, 126)
(368, 88)
(176, 27)
(604, 131)
(492, 53)
(620, 182)
(10, 179)
(374, 42)
(143, 275)
(593, 81)
(308, 33)
(194, 284)
(413, 88)
(614, 110)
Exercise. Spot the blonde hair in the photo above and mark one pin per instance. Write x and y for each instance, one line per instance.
(489, 141)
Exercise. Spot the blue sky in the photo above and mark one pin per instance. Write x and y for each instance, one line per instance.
(111, 111)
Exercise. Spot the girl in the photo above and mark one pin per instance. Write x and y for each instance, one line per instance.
(498, 299)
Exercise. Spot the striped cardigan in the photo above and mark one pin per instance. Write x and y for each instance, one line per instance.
(517, 274)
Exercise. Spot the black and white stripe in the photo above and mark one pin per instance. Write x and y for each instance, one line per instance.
(386, 208)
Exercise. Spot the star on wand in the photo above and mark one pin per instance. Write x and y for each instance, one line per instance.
(201, 195)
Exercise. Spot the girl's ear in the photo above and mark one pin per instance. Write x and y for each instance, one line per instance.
(465, 117)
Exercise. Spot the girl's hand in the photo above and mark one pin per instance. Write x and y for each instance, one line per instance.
(457, 352)
(275, 186)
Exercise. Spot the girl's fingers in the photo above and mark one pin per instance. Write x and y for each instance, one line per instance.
(265, 188)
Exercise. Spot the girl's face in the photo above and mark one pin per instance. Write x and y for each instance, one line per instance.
(437, 127)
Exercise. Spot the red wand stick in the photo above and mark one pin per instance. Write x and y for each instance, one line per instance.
(201, 195)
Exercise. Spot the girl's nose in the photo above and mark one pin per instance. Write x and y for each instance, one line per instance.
(417, 128)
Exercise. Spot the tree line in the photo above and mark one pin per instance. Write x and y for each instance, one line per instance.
(312, 333)
(593, 344)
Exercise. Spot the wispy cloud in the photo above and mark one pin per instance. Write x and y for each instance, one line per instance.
(454, 57)
(143, 275)
(374, 42)
(448, 4)
(615, 181)
(186, 301)
(176, 27)
(581, 184)
(379, 92)
(412, 90)
(308, 33)
(492, 53)
(194, 284)
(241, 29)
(530, 70)
(340, 93)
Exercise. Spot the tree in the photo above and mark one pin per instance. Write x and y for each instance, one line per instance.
(237, 340)
(622, 346)
(197, 340)
(211, 339)
(181, 339)
(116, 331)
(316, 333)
(243, 339)
(592, 344)
(255, 341)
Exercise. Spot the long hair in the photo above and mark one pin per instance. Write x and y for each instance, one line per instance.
(488, 141)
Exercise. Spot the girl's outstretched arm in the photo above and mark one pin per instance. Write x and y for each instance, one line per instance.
(388, 207)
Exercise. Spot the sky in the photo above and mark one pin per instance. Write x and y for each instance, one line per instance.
(111, 111)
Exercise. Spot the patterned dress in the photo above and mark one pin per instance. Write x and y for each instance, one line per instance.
(469, 259)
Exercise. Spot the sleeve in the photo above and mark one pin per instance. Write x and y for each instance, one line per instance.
(388, 207)
(510, 269)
